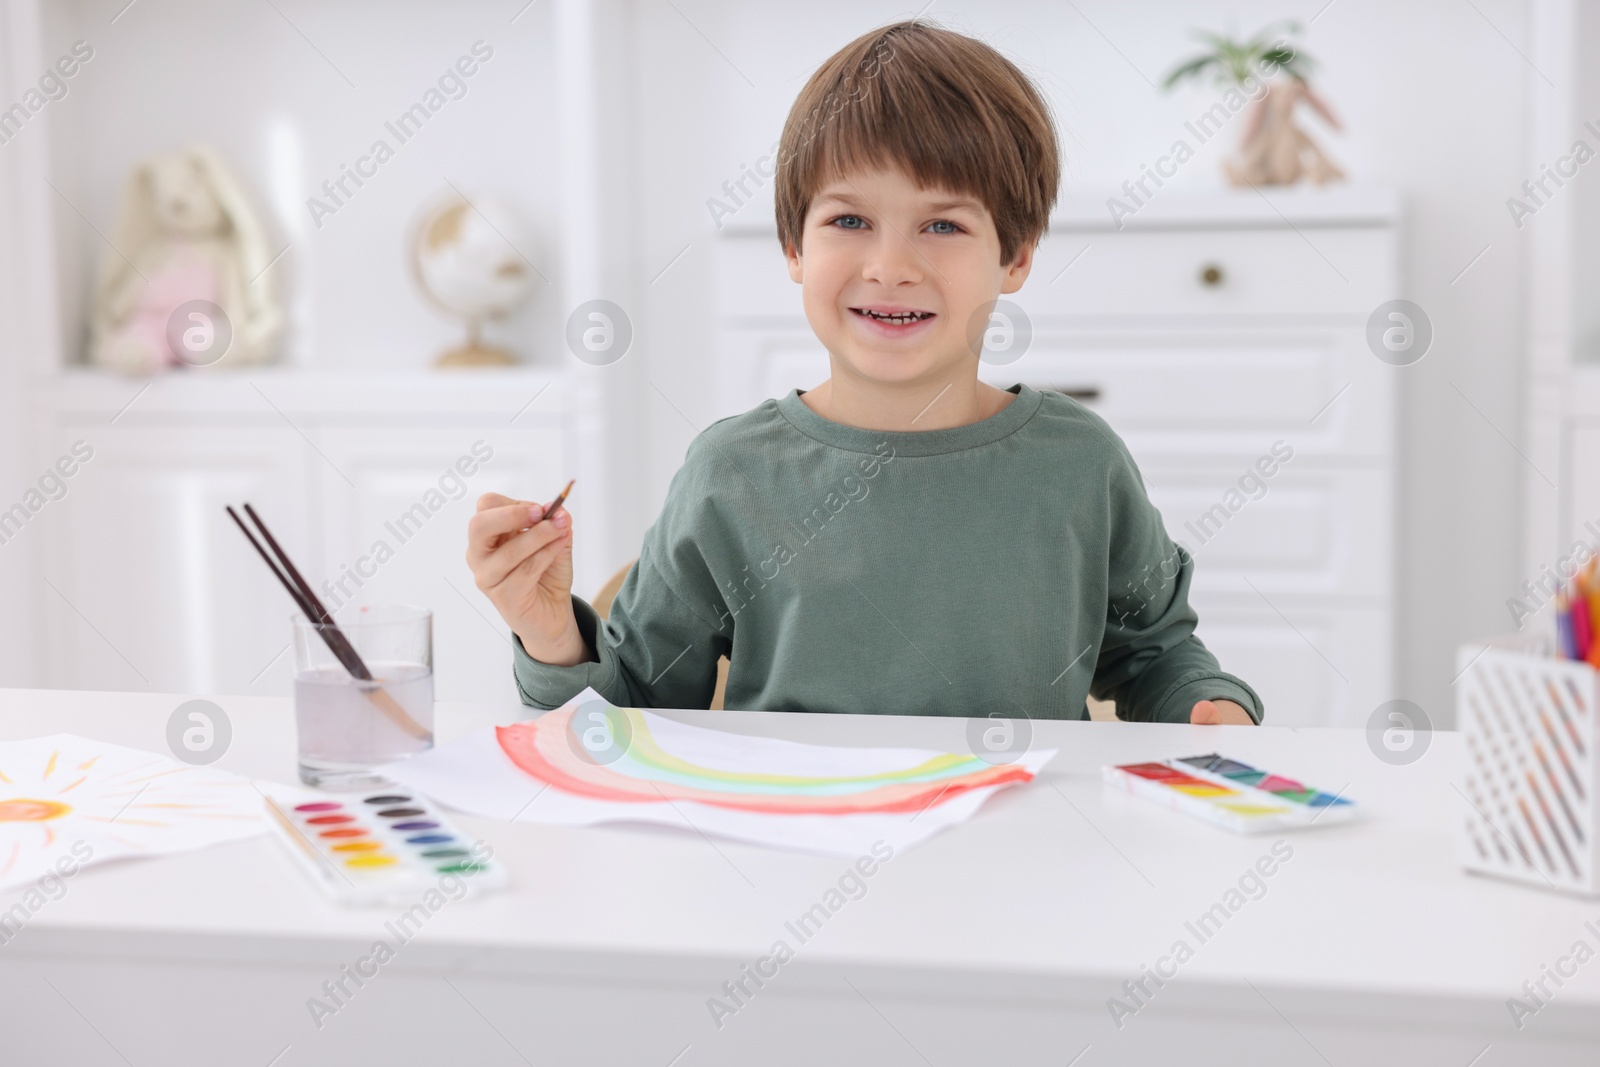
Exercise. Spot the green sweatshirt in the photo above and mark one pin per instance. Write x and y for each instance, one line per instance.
(1011, 565)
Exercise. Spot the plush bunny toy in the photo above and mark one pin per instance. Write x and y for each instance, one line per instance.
(185, 281)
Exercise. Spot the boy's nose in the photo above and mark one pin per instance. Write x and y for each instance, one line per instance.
(893, 260)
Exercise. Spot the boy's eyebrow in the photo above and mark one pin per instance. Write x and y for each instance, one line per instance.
(857, 201)
(841, 197)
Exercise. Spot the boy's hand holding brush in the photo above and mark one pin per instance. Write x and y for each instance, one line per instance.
(521, 558)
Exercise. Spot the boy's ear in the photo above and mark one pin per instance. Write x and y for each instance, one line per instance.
(1017, 272)
(792, 255)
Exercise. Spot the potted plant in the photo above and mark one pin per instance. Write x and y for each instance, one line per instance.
(1273, 149)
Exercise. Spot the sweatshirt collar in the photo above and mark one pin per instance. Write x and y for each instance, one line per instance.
(1002, 423)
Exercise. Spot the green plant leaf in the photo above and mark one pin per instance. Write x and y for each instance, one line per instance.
(1192, 69)
(1233, 61)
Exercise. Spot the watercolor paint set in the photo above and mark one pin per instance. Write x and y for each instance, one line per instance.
(1242, 798)
(377, 847)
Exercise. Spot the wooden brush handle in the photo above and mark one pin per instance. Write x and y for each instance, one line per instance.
(397, 714)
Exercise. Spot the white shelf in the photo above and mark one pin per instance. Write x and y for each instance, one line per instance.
(208, 394)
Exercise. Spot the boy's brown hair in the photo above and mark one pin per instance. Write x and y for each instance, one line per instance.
(950, 111)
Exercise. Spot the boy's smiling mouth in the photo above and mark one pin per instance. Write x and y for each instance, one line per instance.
(891, 318)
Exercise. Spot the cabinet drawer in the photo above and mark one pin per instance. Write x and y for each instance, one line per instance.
(1212, 272)
(1182, 397)
(1187, 393)
(1299, 532)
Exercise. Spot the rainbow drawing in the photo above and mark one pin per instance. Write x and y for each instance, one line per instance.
(614, 754)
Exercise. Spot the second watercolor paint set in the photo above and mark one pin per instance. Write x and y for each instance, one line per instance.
(1236, 795)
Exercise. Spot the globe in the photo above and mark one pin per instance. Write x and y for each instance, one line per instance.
(468, 258)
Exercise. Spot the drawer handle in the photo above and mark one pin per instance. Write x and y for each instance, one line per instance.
(1211, 274)
(1081, 393)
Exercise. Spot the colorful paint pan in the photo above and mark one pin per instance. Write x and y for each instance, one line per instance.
(387, 847)
(1243, 798)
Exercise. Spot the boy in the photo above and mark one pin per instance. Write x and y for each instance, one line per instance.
(901, 539)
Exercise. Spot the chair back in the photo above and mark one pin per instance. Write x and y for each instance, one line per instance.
(602, 606)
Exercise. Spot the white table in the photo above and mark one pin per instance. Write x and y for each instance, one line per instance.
(997, 942)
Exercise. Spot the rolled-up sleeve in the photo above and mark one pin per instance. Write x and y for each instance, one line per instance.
(659, 645)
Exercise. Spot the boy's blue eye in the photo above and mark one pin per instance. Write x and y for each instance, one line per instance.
(850, 222)
(939, 226)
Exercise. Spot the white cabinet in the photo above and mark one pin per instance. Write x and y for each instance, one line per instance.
(146, 582)
(155, 588)
(1209, 333)
(1304, 532)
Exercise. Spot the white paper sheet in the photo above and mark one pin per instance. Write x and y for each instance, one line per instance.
(80, 801)
(473, 774)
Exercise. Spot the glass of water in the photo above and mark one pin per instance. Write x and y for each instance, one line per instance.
(347, 725)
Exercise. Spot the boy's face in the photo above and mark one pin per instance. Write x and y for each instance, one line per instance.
(898, 281)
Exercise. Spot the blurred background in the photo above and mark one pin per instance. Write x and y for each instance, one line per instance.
(572, 205)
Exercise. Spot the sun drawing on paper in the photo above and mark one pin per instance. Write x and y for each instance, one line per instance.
(56, 792)
(551, 748)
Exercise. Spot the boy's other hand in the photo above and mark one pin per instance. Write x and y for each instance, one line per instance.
(524, 566)
(1225, 712)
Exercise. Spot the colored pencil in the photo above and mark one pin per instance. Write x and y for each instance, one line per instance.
(1579, 606)
(1564, 628)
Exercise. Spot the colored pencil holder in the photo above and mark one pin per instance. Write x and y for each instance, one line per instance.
(1528, 723)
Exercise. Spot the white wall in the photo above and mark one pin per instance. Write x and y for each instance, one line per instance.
(1433, 100)
(20, 332)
